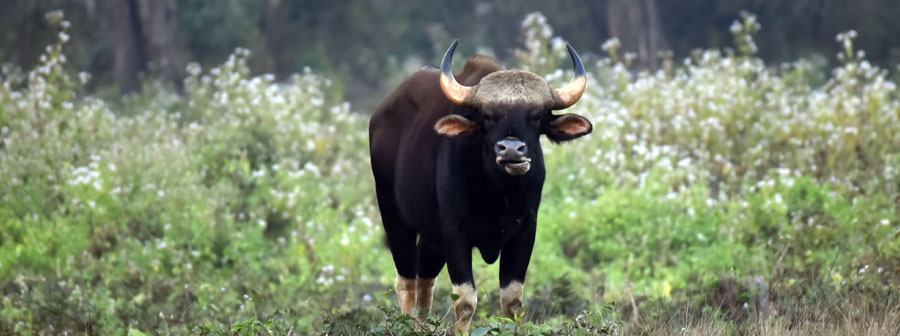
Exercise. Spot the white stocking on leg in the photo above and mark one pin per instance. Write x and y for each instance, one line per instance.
(406, 294)
(464, 307)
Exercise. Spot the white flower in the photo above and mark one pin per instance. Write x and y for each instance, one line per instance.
(611, 44)
(735, 27)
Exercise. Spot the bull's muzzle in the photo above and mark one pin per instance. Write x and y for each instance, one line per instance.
(512, 156)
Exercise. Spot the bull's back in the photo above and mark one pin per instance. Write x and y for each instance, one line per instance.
(402, 119)
(404, 146)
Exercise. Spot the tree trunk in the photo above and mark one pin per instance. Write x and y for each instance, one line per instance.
(129, 58)
(273, 32)
(636, 24)
(159, 20)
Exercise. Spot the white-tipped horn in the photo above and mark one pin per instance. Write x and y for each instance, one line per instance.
(570, 94)
(457, 93)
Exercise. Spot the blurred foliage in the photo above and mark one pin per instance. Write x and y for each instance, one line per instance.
(363, 45)
(244, 205)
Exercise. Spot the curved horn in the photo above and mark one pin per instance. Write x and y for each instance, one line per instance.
(457, 93)
(570, 94)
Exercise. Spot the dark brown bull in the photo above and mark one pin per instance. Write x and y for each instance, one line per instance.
(458, 165)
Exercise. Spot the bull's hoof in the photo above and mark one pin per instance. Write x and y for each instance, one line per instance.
(511, 299)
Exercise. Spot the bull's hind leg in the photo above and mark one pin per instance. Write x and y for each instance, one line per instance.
(403, 249)
(406, 293)
(514, 258)
(430, 263)
(402, 242)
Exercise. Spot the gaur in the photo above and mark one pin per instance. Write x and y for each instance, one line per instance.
(458, 165)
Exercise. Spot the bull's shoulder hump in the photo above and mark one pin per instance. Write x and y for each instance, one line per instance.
(475, 68)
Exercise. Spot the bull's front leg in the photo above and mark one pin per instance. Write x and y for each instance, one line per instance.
(458, 251)
(514, 259)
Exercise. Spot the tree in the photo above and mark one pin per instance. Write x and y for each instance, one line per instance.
(273, 29)
(636, 23)
(126, 37)
(142, 32)
(159, 23)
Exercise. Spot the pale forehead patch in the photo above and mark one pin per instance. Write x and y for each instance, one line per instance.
(513, 87)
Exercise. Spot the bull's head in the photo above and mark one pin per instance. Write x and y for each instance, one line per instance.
(512, 109)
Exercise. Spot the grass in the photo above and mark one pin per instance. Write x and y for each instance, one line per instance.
(719, 196)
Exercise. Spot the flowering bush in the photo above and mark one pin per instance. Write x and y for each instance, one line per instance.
(728, 157)
(242, 199)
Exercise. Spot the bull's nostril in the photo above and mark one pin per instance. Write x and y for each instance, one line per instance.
(521, 149)
(510, 148)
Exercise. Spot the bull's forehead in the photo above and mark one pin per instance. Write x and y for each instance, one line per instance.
(513, 88)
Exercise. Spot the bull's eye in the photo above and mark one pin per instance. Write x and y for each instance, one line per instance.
(536, 118)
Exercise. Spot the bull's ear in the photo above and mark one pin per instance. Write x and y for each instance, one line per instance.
(454, 125)
(567, 127)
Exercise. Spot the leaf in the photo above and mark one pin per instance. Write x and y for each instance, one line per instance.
(480, 331)
(135, 332)
(454, 296)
